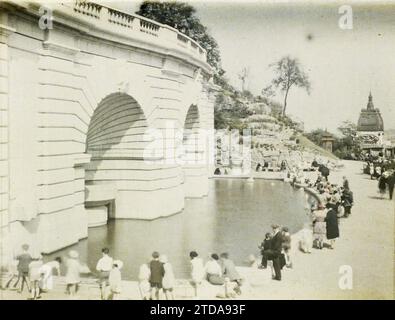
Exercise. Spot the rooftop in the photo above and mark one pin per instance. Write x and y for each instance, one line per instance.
(370, 118)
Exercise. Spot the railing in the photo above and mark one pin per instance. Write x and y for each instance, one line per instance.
(149, 27)
(120, 18)
(104, 14)
(88, 8)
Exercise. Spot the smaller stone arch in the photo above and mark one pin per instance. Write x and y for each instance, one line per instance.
(194, 166)
(191, 134)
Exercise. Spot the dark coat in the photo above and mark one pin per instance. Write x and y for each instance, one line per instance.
(332, 225)
(157, 271)
(382, 183)
(391, 180)
(347, 198)
(277, 242)
(324, 170)
(266, 245)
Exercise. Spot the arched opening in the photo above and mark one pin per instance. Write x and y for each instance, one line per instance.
(194, 167)
(191, 135)
(116, 142)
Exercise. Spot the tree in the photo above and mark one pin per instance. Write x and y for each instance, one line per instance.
(348, 129)
(243, 75)
(182, 17)
(289, 74)
(268, 92)
(316, 136)
(349, 143)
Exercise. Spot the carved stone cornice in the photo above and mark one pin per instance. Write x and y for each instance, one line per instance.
(5, 31)
(54, 46)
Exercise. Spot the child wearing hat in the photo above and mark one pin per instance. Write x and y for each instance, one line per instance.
(24, 260)
(157, 273)
(168, 278)
(35, 277)
(115, 280)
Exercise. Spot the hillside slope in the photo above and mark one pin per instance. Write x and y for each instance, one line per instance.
(304, 142)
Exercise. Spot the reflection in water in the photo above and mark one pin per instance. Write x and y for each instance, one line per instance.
(233, 218)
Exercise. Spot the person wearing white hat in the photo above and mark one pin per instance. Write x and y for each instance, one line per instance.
(168, 278)
(144, 285)
(115, 280)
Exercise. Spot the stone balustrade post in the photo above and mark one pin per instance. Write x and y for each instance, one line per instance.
(104, 15)
(136, 24)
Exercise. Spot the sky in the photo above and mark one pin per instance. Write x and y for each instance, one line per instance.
(343, 64)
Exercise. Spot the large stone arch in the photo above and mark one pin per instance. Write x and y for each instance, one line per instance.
(74, 68)
(116, 132)
(120, 172)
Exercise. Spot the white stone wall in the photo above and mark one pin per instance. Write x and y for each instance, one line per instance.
(5, 239)
(58, 80)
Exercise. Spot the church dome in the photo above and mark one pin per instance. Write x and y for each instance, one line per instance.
(370, 118)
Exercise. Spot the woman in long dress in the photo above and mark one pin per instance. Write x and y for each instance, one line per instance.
(74, 267)
(115, 280)
(382, 185)
(319, 226)
(144, 285)
(332, 226)
(197, 272)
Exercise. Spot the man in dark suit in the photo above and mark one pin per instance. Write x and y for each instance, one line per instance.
(274, 253)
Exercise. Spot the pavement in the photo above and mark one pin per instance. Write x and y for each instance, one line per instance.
(361, 266)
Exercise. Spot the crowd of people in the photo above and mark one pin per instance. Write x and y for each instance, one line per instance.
(32, 273)
(384, 172)
(156, 277)
(333, 202)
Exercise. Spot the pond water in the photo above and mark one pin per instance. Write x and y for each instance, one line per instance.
(233, 218)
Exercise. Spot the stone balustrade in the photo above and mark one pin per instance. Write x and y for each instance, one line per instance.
(135, 23)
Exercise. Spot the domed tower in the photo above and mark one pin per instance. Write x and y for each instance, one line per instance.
(370, 126)
(370, 119)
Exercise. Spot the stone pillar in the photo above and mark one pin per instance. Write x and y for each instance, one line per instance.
(5, 247)
(211, 93)
(62, 217)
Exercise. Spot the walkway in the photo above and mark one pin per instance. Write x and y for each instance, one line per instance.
(366, 245)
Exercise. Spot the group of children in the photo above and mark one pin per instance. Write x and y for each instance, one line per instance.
(38, 277)
(157, 275)
(32, 272)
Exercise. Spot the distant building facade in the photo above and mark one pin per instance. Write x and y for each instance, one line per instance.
(327, 141)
